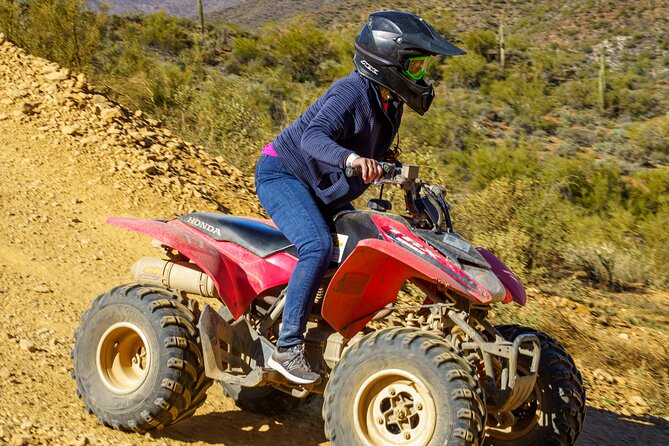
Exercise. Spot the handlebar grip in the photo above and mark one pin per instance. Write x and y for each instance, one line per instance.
(353, 172)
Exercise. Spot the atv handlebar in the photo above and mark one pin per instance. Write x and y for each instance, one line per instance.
(397, 173)
(425, 203)
(389, 170)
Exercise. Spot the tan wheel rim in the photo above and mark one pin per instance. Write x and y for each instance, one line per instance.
(527, 417)
(123, 358)
(394, 407)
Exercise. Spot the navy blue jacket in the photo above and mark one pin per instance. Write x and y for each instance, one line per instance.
(349, 117)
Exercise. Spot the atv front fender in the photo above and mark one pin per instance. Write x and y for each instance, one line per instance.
(514, 288)
(219, 267)
(370, 278)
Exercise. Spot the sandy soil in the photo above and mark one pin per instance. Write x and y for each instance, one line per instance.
(57, 254)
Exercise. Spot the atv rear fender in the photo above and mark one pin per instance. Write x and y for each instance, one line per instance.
(237, 283)
(370, 278)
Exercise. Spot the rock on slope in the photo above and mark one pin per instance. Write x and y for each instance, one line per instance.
(135, 152)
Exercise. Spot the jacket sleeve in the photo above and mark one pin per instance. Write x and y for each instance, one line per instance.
(334, 121)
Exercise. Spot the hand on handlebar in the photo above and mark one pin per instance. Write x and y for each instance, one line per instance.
(370, 169)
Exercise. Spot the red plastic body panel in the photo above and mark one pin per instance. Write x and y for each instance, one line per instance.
(515, 291)
(460, 282)
(238, 274)
(370, 278)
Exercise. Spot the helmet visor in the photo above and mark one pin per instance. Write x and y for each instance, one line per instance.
(416, 67)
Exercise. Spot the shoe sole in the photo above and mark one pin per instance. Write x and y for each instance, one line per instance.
(279, 368)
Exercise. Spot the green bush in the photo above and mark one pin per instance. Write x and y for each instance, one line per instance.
(481, 42)
(164, 32)
(10, 19)
(655, 254)
(519, 220)
(651, 135)
(453, 122)
(466, 71)
(63, 31)
(220, 116)
(483, 165)
(523, 100)
(578, 93)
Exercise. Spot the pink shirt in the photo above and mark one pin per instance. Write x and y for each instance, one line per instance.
(269, 150)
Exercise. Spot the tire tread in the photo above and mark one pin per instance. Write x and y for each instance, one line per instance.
(182, 385)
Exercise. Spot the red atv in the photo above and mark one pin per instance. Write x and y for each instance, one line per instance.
(432, 373)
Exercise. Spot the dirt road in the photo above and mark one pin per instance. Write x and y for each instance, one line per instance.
(65, 167)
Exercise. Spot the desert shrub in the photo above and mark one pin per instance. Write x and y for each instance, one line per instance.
(524, 100)
(517, 43)
(481, 42)
(303, 49)
(453, 122)
(647, 192)
(584, 181)
(165, 32)
(606, 264)
(630, 94)
(244, 50)
(578, 93)
(483, 165)
(63, 31)
(651, 135)
(219, 116)
(653, 232)
(467, 71)
(604, 248)
(552, 64)
(10, 19)
(520, 220)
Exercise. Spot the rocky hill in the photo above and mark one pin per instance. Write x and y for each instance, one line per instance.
(176, 7)
(70, 157)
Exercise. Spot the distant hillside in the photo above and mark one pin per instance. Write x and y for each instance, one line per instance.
(176, 7)
(253, 13)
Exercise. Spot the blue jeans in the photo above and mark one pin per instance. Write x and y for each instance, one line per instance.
(303, 220)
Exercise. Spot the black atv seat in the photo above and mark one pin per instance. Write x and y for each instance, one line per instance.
(259, 238)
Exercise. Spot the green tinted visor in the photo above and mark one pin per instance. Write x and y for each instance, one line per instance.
(416, 67)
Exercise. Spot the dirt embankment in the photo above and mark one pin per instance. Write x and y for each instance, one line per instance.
(69, 158)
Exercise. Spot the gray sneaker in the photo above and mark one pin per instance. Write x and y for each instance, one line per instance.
(292, 364)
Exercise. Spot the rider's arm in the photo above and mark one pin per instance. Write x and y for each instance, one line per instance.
(337, 119)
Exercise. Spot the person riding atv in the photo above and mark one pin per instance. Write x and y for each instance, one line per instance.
(432, 372)
(300, 177)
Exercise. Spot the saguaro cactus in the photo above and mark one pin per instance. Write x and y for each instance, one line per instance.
(200, 12)
(601, 83)
(500, 43)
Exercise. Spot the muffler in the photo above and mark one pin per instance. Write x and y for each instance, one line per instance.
(176, 275)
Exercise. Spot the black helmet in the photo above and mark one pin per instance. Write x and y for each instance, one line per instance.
(392, 50)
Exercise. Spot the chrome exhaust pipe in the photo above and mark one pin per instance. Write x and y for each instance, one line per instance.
(176, 275)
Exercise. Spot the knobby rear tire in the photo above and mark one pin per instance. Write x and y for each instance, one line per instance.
(174, 384)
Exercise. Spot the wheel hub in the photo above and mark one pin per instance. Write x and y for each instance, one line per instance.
(123, 358)
(394, 407)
